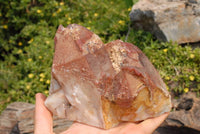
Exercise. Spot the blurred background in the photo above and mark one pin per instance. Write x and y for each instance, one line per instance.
(27, 29)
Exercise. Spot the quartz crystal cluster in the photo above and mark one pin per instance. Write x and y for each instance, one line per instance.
(103, 84)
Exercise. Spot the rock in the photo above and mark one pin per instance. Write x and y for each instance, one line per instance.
(103, 85)
(185, 104)
(168, 20)
(61, 125)
(16, 113)
(175, 130)
(18, 118)
(185, 118)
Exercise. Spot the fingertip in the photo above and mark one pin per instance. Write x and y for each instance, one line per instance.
(40, 96)
(164, 116)
(149, 125)
(167, 113)
(43, 117)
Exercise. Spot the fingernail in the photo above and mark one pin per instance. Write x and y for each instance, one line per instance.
(40, 95)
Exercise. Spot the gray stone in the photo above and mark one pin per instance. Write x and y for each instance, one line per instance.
(168, 20)
(185, 118)
(16, 113)
(175, 130)
(18, 118)
(61, 125)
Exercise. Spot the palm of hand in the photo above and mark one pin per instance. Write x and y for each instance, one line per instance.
(44, 125)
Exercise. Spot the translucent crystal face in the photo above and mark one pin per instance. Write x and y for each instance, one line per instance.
(102, 85)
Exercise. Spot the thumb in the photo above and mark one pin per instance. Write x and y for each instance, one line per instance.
(150, 125)
(43, 117)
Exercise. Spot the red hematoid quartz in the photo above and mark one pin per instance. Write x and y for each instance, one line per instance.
(103, 84)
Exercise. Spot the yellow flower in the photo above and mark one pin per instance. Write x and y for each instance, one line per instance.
(41, 79)
(46, 92)
(68, 22)
(167, 88)
(42, 75)
(167, 77)
(88, 28)
(59, 10)
(165, 50)
(48, 81)
(191, 77)
(5, 26)
(30, 41)
(29, 59)
(47, 42)
(40, 57)
(54, 14)
(19, 51)
(20, 44)
(28, 87)
(192, 56)
(62, 3)
(66, 15)
(186, 90)
(89, 21)
(96, 14)
(0, 14)
(111, 2)
(69, 18)
(129, 9)
(30, 76)
(121, 22)
(39, 11)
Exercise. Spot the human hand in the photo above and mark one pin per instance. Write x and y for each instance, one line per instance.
(44, 123)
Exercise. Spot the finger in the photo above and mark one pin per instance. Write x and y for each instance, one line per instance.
(43, 118)
(150, 125)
